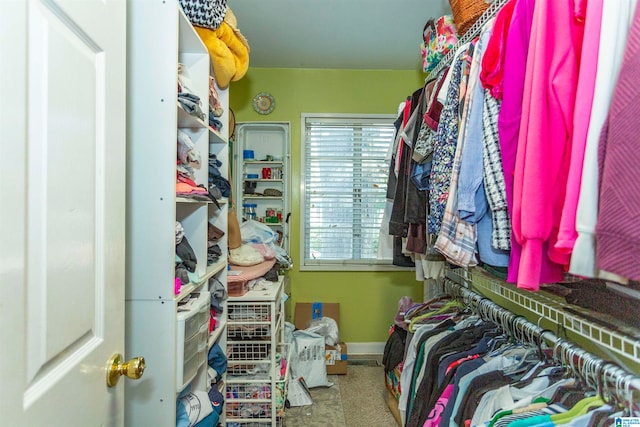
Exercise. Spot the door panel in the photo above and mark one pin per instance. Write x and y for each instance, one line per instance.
(66, 204)
(63, 222)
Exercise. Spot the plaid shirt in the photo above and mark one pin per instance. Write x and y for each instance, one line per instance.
(494, 175)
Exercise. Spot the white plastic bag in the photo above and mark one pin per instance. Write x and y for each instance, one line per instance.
(256, 232)
(327, 327)
(308, 359)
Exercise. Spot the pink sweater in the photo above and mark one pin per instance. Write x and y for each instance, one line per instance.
(544, 142)
(567, 233)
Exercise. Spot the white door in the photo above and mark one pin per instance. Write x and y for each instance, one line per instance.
(62, 210)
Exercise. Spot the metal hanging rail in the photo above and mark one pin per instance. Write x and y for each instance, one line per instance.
(474, 31)
(552, 310)
(609, 379)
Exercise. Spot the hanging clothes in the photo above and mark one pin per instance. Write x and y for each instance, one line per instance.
(567, 233)
(472, 199)
(460, 370)
(616, 21)
(457, 239)
(492, 73)
(546, 127)
(618, 228)
(515, 60)
(444, 148)
(509, 180)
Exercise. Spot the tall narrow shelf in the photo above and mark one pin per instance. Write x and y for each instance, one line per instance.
(174, 343)
(262, 159)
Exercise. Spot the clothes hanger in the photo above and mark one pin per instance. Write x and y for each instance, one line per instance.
(539, 338)
(534, 406)
(572, 390)
(610, 398)
(589, 373)
(418, 309)
(530, 358)
(447, 308)
(580, 408)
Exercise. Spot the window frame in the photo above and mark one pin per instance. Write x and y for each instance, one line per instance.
(333, 265)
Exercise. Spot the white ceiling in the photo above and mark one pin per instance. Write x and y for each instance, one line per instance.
(355, 34)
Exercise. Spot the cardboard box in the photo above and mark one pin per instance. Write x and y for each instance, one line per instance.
(336, 359)
(336, 355)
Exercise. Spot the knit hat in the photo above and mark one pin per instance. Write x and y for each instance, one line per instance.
(205, 13)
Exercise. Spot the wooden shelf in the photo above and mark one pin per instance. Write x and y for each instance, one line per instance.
(214, 269)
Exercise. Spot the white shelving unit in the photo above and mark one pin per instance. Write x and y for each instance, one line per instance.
(175, 344)
(256, 386)
(270, 144)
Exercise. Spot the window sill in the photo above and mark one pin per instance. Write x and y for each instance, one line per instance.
(326, 266)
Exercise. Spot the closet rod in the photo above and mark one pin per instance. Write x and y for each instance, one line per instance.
(474, 31)
(608, 378)
(610, 341)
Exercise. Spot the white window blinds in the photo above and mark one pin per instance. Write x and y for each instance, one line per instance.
(345, 184)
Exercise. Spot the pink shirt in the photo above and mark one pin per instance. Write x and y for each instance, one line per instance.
(544, 141)
(435, 416)
(515, 61)
(567, 233)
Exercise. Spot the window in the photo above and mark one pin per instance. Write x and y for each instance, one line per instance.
(345, 168)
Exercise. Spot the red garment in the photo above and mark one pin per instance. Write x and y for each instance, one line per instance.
(184, 189)
(405, 118)
(182, 178)
(493, 60)
(458, 362)
(432, 115)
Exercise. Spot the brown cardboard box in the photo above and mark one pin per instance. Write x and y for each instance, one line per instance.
(336, 355)
(336, 359)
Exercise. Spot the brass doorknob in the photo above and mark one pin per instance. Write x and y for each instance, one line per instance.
(133, 369)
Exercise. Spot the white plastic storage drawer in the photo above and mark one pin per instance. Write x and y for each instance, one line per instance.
(192, 344)
(192, 337)
(189, 322)
(188, 372)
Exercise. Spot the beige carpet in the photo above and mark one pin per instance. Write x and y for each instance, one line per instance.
(355, 400)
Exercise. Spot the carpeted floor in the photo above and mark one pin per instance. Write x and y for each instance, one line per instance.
(355, 400)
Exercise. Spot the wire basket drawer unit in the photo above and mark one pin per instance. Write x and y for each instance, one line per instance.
(249, 351)
(257, 358)
(250, 312)
(259, 423)
(259, 398)
(252, 327)
(243, 332)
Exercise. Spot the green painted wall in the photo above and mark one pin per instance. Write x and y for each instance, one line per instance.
(368, 301)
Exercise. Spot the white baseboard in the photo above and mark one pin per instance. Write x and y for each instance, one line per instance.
(355, 348)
